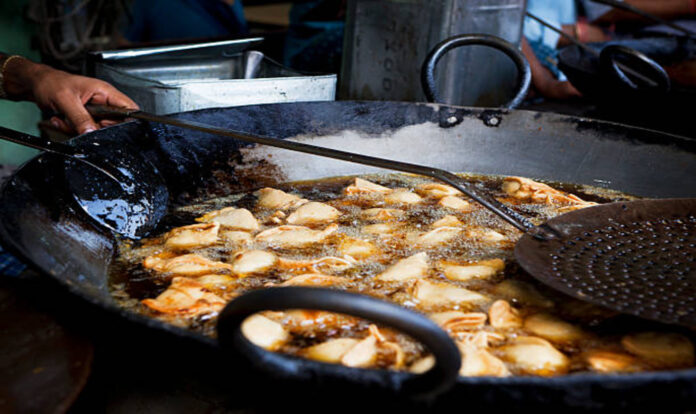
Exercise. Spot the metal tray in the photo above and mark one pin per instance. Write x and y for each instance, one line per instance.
(186, 77)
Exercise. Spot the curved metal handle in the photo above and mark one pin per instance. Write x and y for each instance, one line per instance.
(639, 62)
(434, 382)
(524, 77)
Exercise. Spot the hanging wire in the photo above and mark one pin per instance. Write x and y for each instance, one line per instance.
(68, 29)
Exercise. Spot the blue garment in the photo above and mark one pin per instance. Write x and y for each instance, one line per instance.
(314, 41)
(542, 39)
(157, 20)
(10, 265)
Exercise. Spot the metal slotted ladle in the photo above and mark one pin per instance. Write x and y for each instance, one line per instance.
(130, 201)
(633, 257)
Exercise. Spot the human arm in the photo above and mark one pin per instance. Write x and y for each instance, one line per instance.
(666, 9)
(544, 81)
(61, 92)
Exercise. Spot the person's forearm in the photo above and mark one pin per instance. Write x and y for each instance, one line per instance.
(19, 75)
(666, 9)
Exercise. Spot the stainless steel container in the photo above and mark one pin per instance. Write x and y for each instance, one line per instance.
(387, 41)
(180, 78)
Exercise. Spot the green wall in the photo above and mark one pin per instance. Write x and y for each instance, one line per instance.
(15, 38)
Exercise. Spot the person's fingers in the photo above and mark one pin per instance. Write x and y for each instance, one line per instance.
(108, 95)
(61, 125)
(571, 91)
(107, 122)
(72, 107)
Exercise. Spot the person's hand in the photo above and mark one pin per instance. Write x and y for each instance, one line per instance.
(555, 89)
(63, 93)
(543, 80)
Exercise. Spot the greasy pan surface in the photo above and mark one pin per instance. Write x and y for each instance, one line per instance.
(39, 222)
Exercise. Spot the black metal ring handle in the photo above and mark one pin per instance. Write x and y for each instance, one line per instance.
(639, 61)
(434, 382)
(524, 77)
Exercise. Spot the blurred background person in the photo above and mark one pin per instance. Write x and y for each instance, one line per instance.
(162, 20)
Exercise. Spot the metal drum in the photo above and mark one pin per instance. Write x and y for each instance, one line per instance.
(387, 41)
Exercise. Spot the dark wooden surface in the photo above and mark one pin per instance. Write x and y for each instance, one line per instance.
(43, 365)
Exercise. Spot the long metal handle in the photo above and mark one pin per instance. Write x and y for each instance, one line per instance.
(66, 151)
(36, 142)
(435, 381)
(490, 203)
(642, 13)
(524, 72)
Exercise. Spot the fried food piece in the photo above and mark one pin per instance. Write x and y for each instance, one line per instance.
(455, 203)
(313, 213)
(364, 354)
(381, 214)
(402, 196)
(325, 264)
(504, 316)
(483, 269)
(485, 235)
(608, 361)
(422, 365)
(412, 267)
(435, 190)
(232, 218)
(361, 186)
(661, 349)
(358, 249)
(252, 261)
(361, 355)
(456, 321)
(380, 229)
(525, 189)
(433, 294)
(236, 238)
(193, 236)
(217, 282)
(331, 351)
(478, 362)
(186, 265)
(264, 332)
(522, 293)
(313, 279)
(448, 221)
(186, 296)
(552, 328)
(535, 356)
(271, 198)
(439, 236)
(294, 236)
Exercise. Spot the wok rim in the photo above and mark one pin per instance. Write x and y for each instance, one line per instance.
(584, 378)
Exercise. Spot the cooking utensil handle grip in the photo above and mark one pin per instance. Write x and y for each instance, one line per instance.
(651, 69)
(434, 382)
(524, 76)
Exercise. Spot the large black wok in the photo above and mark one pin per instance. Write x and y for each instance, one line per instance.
(39, 222)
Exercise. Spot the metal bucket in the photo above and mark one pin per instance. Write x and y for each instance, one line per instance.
(179, 78)
(388, 40)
